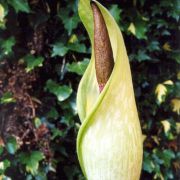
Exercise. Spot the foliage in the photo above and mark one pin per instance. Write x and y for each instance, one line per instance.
(48, 40)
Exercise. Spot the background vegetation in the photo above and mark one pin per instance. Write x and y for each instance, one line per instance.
(44, 51)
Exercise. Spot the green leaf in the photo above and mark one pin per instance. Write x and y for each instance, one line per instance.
(7, 45)
(153, 46)
(4, 165)
(68, 120)
(61, 92)
(70, 22)
(132, 29)
(1, 150)
(7, 98)
(157, 158)
(33, 62)
(174, 10)
(53, 113)
(167, 155)
(142, 56)
(161, 92)
(141, 29)
(176, 56)
(78, 67)
(56, 133)
(59, 49)
(37, 122)
(166, 33)
(77, 47)
(11, 145)
(116, 12)
(2, 13)
(31, 161)
(148, 163)
(20, 5)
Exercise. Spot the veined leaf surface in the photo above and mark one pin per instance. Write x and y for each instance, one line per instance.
(109, 142)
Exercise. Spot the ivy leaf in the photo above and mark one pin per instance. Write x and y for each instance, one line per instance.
(78, 67)
(148, 163)
(77, 47)
(11, 145)
(168, 82)
(153, 46)
(59, 49)
(116, 12)
(61, 92)
(37, 122)
(177, 89)
(162, 89)
(70, 23)
(6, 45)
(141, 28)
(155, 10)
(178, 127)
(1, 150)
(3, 166)
(2, 13)
(31, 161)
(56, 133)
(166, 33)
(33, 62)
(138, 28)
(167, 47)
(176, 56)
(167, 155)
(166, 125)
(53, 113)
(7, 98)
(20, 5)
(161, 92)
(175, 10)
(73, 39)
(157, 158)
(142, 56)
(132, 29)
(176, 105)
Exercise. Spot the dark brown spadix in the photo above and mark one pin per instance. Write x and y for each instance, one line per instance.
(104, 61)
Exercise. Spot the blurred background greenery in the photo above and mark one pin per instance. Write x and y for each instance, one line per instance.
(44, 51)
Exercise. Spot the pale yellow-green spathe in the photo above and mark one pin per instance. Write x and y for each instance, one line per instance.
(109, 142)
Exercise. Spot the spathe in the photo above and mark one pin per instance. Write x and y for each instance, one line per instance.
(109, 142)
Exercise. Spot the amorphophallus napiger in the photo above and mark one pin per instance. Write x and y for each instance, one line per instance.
(109, 143)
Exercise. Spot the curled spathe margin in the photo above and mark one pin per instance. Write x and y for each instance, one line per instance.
(119, 85)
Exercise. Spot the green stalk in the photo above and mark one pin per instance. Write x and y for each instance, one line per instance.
(109, 142)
